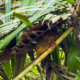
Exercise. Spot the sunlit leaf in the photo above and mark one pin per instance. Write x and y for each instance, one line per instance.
(71, 1)
(23, 19)
(7, 29)
(8, 70)
(61, 4)
(28, 3)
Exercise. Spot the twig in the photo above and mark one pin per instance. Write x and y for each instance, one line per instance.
(72, 73)
(67, 77)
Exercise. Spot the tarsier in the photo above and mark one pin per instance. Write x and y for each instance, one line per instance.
(41, 34)
(46, 42)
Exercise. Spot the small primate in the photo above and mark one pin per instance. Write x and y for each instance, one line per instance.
(46, 42)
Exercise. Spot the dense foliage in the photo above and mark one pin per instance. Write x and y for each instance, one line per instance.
(39, 39)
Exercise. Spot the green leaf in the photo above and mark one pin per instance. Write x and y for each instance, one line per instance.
(60, 4)
(71, 1)
(72, 62)
(7, 29)
(28, 3)
(7, 9)
(1, 22)
(8, 69)
(6, 41)
(23, 19)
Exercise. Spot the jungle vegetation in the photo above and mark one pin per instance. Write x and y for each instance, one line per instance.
(39, 40)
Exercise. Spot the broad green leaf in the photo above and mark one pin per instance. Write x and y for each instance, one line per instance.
(28, 3)
(71, 1)
(7, 29)
(51, 2)
(72, 62)
(8, 69)
(7, 9)
(8, 38)
(23, 19)
(61, 3)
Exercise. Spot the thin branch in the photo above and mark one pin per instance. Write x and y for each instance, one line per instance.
(72, 73)
(67, 77)
(45, 54)
(16, 5)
